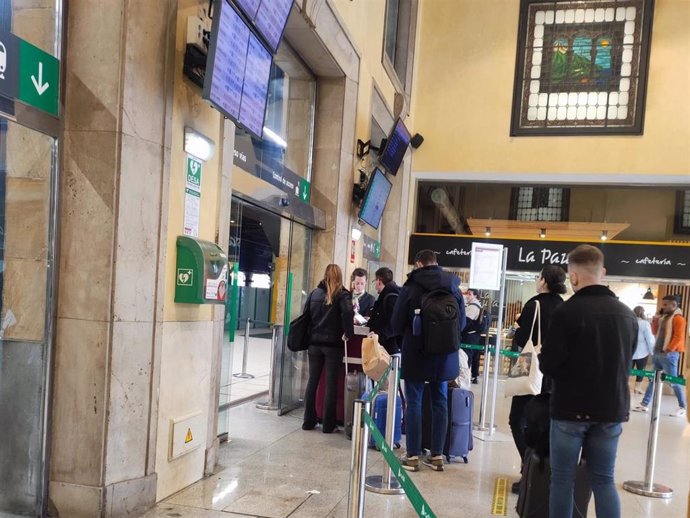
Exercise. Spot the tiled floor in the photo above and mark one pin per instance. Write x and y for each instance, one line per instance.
(234, 388)
(271, 468)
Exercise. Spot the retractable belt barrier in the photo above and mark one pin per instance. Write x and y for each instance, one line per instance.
(678, 380)
(363, 425)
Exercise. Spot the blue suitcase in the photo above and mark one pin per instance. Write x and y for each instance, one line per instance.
(379, 406)
(459, 440)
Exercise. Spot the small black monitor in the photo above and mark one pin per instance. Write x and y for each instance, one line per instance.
(375, 198)
(396, 146)
(269, 17)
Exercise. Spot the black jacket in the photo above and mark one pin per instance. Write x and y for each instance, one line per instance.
(381, 317)
(328, 323)
(587, 353)
(415, 365)
(548, 302)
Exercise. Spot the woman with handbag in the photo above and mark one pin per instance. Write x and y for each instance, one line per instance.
(550, 287)
(330, 321)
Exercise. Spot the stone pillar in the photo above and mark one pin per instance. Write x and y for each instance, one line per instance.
(114, 169)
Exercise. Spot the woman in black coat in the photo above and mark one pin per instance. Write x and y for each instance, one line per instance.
(550, 287)
(330, 316)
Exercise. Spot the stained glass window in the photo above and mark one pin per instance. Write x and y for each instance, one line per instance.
(582, 66)
(540, 204)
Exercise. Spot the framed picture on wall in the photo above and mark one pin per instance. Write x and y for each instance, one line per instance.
(581, 67)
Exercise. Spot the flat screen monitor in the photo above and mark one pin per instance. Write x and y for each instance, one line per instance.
(269, 17)
(237, 70)
(375, 198)
(396, 146)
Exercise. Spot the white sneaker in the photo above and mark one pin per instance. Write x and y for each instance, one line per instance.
(640, 408)
(679, 413)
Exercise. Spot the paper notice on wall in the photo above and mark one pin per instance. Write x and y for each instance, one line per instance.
(486, 266)
(192, 209)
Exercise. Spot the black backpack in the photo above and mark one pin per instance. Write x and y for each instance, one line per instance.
(483, 322)
(440, 314)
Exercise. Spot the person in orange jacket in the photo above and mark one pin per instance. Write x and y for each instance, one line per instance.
(670, 342)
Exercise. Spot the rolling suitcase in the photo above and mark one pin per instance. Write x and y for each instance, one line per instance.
(459, 439)
(379, 405)
(533, 497)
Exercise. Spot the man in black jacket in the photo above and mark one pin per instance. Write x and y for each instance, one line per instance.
(419, 367)
(382, 313)
(588, 355)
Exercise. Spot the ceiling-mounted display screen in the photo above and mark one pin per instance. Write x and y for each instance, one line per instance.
(269, 17)
(237, 70)
(395, 148)
(375, 198)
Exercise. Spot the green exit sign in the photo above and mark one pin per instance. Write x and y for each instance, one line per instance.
(29, 74)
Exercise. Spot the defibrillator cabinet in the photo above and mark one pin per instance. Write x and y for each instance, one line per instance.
(201, 274)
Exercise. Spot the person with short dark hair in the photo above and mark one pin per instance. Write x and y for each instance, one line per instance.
(670, 329)
(587, 353)
(418, 368)
(382, 312)
(645, 345)
(471, 334)
(362, 302)
(550, 286)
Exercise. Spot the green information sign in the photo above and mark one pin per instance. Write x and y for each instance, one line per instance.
(304, 190)
(193, 173)
(39, 74)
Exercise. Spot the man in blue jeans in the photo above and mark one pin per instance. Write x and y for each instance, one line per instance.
(588, 353)
(419, 367)
(670, 332)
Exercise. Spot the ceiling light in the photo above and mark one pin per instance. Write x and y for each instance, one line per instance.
(649, 295)
(198, 145)
(356, 233)
(273, 136)
(488, 231)
(604, 235)
(542, 233)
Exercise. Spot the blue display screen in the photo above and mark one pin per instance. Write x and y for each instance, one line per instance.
(395, 149)
(237, 70)
(375, 199)
(269, 17)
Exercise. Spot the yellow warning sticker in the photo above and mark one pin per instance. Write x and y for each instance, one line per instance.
(188, 438)
(499, 506)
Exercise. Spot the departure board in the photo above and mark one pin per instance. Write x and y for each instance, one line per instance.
(269, 17)
(395, 149)
(227, 62)
(255, 92)
(375, 199)
(237, 70)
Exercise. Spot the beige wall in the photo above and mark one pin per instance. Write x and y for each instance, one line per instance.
(464, 92)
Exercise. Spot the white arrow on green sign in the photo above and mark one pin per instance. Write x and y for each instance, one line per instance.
(29, 74)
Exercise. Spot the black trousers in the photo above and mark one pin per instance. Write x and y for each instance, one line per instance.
(473, 356)
(517, 423)
(640, 364)
(319, 357)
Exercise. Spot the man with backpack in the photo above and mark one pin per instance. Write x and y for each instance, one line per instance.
(382, 312)
(476, 318)
(430, 316)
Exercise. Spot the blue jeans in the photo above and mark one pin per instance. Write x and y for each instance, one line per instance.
(414, 392)
(598, 442)
(669, 364)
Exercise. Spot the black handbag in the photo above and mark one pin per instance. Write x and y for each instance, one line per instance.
(298, 334)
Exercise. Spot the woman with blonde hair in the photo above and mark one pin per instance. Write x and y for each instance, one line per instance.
(330, 314)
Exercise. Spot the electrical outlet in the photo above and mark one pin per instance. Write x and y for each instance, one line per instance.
(195, 32)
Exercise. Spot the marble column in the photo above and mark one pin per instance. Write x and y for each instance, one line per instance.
(117, 89)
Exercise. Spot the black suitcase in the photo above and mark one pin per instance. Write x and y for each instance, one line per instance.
(533, 497)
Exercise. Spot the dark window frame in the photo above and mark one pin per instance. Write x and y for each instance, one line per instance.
(515, 197)
(678, 226)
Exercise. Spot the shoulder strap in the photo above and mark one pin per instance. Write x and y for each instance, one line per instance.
(537, 319)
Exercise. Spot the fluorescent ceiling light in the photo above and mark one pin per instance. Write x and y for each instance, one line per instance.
(198, 145)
